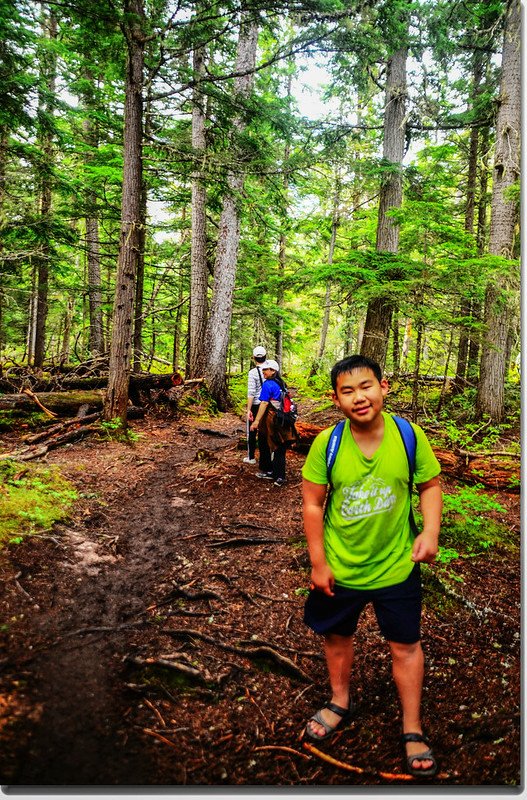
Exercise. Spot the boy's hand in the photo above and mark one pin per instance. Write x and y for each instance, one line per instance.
(322, 579)
(425, 548)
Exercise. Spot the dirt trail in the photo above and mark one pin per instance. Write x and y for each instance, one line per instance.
(177, 535)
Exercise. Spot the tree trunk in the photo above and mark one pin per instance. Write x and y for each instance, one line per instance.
(490, 398)
(282, 245)
(229, 231)
(464, 335)
(280, 294)
(380, 309)
(415, 386)
(116, 399)
(65, 346)
(140, 282)
(46, 101)
(476, 308)
(93, 255)
(327, 300)
(140, 277)
(199, 272)
(396, 346)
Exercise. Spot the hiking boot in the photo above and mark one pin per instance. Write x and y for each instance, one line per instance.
(268, 476)
(248, 460)
(279, 482)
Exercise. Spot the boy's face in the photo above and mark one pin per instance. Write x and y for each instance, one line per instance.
(360, 396)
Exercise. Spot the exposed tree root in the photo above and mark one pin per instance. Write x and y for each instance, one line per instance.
(252, 653)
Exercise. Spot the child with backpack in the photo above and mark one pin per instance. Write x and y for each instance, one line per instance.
(364, 549)
(275, 431)
(255, 381)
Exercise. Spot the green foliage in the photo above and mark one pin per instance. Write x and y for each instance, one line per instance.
(316, 387)
(14, 419)
(302, 591)
(469, 526)
(112, 430)
(238, 391)
(32, 499)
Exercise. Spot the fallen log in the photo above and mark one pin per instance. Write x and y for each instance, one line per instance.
(62, 426)
(39, 444)
(61, 403)
(37, 450)
(138, 381)
(497, 470)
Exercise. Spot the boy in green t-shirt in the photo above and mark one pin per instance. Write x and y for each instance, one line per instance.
(362, 549)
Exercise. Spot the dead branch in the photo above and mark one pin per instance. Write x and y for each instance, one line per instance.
(161, 738)
(488, 453)
(52, 430)
(28, 453)
(283, 749)
(392, 776)
(39, 404)
(156, 711)
(480, 613)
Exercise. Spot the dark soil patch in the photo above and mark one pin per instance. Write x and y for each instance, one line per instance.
(157, 639)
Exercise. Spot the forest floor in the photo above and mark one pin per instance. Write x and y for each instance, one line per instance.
(156, 639)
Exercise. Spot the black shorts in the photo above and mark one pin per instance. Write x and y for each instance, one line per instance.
(397, 608)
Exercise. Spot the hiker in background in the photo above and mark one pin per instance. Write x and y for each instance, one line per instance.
(362, 548)
(272, 436)
(255, 381)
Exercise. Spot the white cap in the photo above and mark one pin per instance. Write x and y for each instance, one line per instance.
(270, 364)
(259, 351)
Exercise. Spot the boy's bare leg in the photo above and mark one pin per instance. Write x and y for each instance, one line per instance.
(408, 673)
(339, 659)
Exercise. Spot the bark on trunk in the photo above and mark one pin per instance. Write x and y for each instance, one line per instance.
(282, 249)
(3, 152)
(140, 282)
(116, 399)
(466, 304)
(48, 75)
(199, 272)
(327, 300)
(490, 399)
(93, 255)
(218, 328)
(61, 403)
(380, 309)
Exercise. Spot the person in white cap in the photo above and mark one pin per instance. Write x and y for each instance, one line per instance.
(274, 438)
(255, 381)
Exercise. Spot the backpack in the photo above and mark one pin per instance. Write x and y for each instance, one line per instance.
(410, 446)
(287, 412)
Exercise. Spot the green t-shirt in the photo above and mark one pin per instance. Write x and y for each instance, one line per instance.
(367, 536)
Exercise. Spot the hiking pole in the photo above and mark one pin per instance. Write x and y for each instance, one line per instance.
(248, 426)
